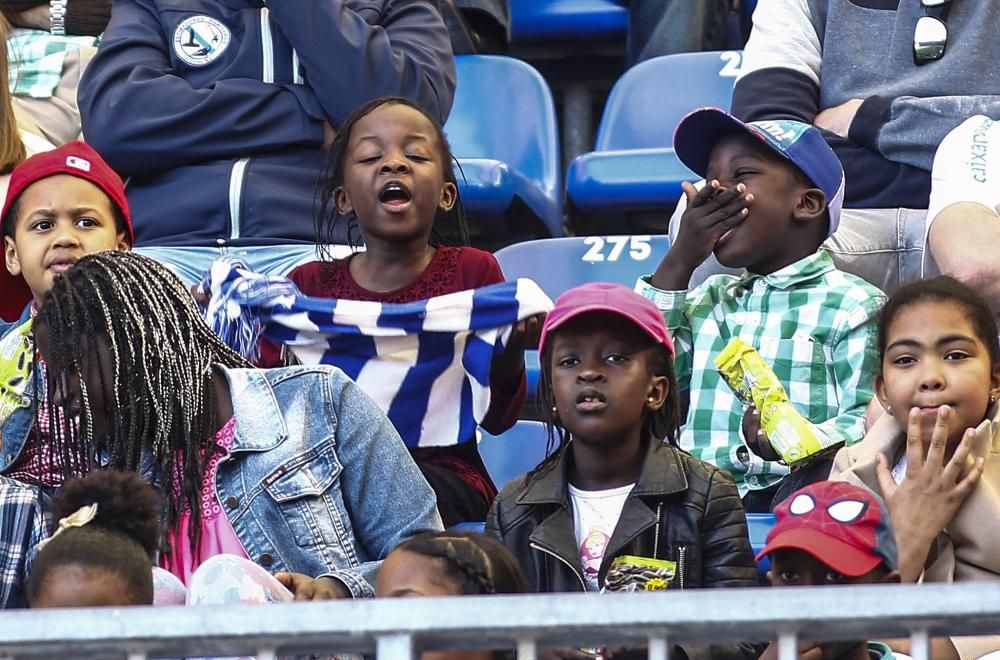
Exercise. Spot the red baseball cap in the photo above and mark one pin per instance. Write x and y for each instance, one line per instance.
(842, 525)
(76, 159)
(612, 298)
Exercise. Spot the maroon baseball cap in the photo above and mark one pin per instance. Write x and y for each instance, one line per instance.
(612, 298)
(76, 159)
(842, 525)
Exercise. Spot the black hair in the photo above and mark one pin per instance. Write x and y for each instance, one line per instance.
(657, 425)
(9, 221)
(450, 228)
(476, 563)
(159, 395)
(943, 289)
(121, 540)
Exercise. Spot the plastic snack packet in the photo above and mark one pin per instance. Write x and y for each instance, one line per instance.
(629, 574)
(754, 383)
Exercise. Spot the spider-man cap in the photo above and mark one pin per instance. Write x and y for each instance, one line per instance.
(844, 526)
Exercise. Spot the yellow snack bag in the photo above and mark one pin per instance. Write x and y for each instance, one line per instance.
(629, 574)
(16, 357)
(753, 382)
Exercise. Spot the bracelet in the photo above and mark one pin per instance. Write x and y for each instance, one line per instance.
(57, 17)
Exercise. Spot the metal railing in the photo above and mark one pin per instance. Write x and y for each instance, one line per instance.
(398, 629)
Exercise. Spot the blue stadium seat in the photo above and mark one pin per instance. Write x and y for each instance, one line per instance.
(533, 20)
(633, 166)
(558, 264)
(759, 524)
(502, 129)
(514, 452)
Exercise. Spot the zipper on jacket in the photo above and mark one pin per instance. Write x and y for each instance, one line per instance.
(236, 196)
(267, 44)
(296, 74)
(656, 530)
(576, 572)
(681, 552)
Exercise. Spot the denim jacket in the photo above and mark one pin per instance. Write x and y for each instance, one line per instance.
(317, 480)
(15, 429)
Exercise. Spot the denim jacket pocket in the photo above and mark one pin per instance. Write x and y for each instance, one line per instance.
(302, 488)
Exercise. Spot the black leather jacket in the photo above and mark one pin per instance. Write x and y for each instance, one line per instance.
(680, 509)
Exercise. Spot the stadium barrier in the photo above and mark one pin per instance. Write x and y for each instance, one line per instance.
(398, 629)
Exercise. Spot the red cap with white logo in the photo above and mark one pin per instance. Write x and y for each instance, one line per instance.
(75, 159)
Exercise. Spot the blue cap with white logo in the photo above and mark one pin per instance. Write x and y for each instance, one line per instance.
(802, 144)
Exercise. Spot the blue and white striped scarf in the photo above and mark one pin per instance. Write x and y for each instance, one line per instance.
(425, 363)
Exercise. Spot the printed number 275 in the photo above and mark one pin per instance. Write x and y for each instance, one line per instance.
(610, 248)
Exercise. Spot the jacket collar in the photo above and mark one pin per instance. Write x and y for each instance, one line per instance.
(259, 423)
(662, 474)
(815, 265)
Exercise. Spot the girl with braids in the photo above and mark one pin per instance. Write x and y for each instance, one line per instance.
(617, 505)
(392, 181)
(102, 551)
(451, 564)
(295, 469)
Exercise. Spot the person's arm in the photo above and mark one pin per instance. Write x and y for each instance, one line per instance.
(350, 57)
(727, 559)
(24, 527)
(908, 129)
(143, 118)
(855, 362)
(387, 498)
(508, 380)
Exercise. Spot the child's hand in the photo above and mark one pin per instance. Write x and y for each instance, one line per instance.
(756, 439)
(304, 587)
(525, 334)
(932, 491)
(710, 213)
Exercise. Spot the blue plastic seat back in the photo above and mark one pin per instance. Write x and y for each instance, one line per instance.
(516, 451)
(558, 264)
(759, 525)
(502, 129)
(651, 98)
(555, 19)
(504, 111)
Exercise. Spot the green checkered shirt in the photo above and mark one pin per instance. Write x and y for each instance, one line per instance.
(36, 60)
(813, 324)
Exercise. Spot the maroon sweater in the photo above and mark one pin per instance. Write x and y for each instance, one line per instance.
(450, 270)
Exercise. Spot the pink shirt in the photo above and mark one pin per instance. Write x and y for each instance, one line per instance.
(217, 534)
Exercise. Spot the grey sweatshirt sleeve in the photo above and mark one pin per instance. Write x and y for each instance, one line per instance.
(909, 129)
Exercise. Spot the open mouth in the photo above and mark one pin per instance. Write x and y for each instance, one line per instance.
(591, 400)
(395, 194)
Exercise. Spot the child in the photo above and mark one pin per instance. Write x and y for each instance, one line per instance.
(773, 194)
(932, 457)
(23, 527)
(102, 551)
(613, 489)
(392, 179)
(60, 206)
(294, 468)
(832, 533)
(451, 564)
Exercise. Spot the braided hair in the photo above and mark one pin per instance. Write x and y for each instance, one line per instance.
(662, 424)
(158, 392)
(121, 540)
(477, 564)
(450, 228)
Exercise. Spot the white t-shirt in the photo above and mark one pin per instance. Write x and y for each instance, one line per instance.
(595, 515)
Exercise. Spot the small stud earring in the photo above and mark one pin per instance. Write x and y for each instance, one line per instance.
(888, 409)
(993, 398)
(554, 410)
